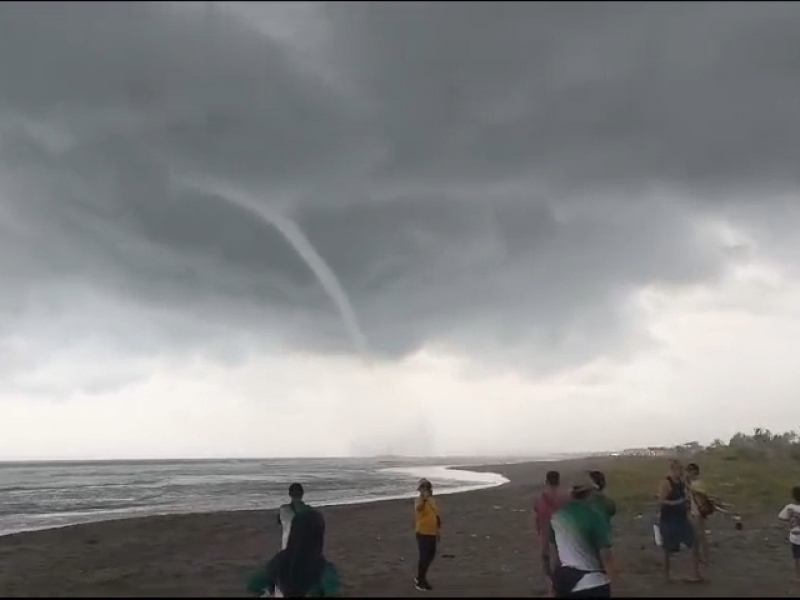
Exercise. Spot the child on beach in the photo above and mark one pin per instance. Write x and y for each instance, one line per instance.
(301, 569)
(791, 513)
(427, 526)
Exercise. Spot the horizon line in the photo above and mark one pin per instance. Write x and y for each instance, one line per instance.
(5, 461)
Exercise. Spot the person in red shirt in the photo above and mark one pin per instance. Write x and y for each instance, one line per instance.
(549, 502)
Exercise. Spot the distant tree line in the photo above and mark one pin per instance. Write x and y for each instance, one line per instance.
(762, 443)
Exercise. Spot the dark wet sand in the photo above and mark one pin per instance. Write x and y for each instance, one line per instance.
(489, 534)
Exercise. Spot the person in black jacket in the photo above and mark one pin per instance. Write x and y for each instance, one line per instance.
(301, 569)
(675, 526)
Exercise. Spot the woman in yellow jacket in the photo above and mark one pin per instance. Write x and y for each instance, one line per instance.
(427, 527)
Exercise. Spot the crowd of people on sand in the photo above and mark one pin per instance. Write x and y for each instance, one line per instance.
(573, 526)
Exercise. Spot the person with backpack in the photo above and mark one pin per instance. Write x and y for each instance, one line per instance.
(301, 569)
(287, 512)
(549, 502)
(701, 506)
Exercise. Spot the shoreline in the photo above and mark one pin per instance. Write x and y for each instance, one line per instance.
(488, 549)
(213, 554)
(460, 489)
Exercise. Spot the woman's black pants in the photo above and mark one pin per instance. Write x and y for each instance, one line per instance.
(427, 551)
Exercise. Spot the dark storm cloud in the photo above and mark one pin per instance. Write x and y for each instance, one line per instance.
(580, 93)
(481, 175)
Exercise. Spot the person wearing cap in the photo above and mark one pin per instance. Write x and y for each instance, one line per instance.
(583, 540)
(287, 512)
(428, 526)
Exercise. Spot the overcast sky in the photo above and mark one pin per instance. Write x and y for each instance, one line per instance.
(289, 229)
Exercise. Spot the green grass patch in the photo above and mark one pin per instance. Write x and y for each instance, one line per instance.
(752, 480)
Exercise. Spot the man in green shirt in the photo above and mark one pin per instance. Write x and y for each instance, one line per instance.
(583, 541)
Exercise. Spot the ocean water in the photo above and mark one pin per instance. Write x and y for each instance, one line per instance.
(45, 495)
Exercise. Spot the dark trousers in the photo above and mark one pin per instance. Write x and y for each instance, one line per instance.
(604, 591)
(427, 551)
(566, 578)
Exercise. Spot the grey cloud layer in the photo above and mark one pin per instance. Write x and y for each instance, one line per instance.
(481, 175)
(580, 94)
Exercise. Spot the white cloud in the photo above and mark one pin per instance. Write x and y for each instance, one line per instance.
(724, 361)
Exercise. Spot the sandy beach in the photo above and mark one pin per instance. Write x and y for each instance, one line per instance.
(488, 549)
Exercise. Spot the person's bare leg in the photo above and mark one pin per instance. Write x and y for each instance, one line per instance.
(700, 549)
(696, 563)
(547, 567)
(554, 561)
(546, 564)
(706, 555)
(702, 539)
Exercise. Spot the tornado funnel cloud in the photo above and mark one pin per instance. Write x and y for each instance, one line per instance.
(305, 249)
(324, 274)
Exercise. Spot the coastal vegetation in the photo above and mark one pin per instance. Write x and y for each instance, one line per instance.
(751, 472)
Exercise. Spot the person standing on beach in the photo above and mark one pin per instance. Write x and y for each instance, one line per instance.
(287, 512)
(701, 506)
(674, 524)
(791, 513)
(599, 500)
(301, 569)
(583, 540)
(428, 525)
(550, 501)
